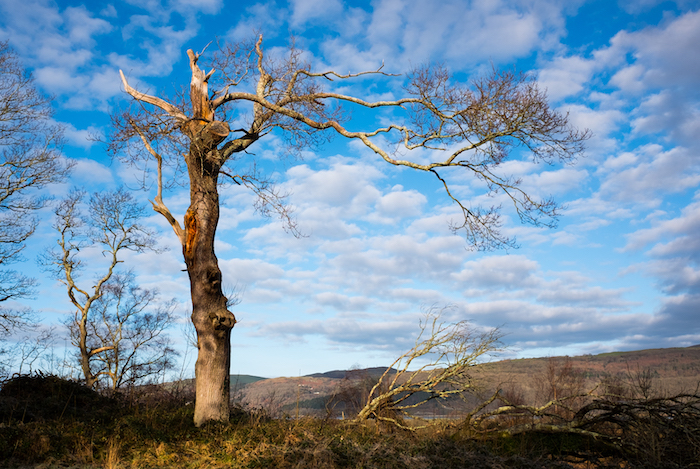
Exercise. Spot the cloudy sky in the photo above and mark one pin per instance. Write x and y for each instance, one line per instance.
(620, 272)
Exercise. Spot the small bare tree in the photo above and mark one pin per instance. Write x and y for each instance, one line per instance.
(126, 332)
(30, 158)
(444, 357)
(112, 223)
(642, 382)
(468, 130)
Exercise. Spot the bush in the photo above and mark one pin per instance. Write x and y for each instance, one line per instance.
(41, 398)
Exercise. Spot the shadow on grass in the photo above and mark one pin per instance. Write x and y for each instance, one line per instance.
(48, 422)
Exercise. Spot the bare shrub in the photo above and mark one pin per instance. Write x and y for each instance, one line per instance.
(448, 353)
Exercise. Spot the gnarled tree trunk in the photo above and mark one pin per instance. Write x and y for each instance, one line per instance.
(210, 316)
(211, 319)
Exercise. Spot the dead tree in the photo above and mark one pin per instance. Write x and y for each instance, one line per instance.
(659, 429)
(442, 359)
(468, 128)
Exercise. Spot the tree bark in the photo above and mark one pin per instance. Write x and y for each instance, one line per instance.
(210, 315)
(211, 318)
(90, 379)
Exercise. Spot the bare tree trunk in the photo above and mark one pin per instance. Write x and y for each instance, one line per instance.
(90, 378)
(210, 315)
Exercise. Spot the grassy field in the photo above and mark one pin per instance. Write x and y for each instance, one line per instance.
(48, 422)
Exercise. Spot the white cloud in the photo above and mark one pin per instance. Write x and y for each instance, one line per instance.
(249, 271)
(81, 137)
(670, 115)
(400, 204)
(91, 172)
(566, 76)
(187, 7)
(657, 172)
(604, 123)
(82, 26)
(682, 232)
(343, 183)
(496, 272)
(662, 72)
(557, 182)
(305, 11)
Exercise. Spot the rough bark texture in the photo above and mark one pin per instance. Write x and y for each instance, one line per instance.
(211, 318)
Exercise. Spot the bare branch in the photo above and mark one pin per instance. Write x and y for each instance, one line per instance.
(164, 105)
(158, 204)
(30, 159)
(269, 200)
(113, 224)
(126, 336)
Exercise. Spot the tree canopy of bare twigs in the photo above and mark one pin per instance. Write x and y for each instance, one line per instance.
(112, 222)
(442, 359)
(126, 333)
(30, 158)
(469, 128)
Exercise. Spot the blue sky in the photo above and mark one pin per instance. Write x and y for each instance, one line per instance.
(620, 272)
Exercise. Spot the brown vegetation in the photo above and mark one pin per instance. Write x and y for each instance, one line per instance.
(671, 371)
(48, 422)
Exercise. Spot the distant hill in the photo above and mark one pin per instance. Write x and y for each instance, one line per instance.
(238, 382)
(243, 380)
(673, 370)
(375, 372)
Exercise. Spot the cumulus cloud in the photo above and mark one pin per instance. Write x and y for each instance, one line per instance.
(663, 52)
(306, 11)
(566, 76)
(663, 72)
(92, 172)
(411, 32)
(392, 333)
(499, 272)
(655, 173)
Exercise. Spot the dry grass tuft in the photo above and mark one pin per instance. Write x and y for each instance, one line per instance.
(111, 458)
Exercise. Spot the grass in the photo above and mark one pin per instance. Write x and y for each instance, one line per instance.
(81, 429)
(166, 437)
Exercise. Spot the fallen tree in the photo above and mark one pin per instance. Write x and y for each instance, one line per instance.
(660, 429)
